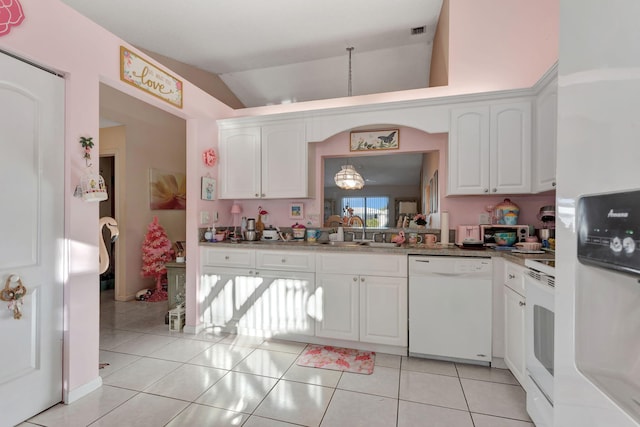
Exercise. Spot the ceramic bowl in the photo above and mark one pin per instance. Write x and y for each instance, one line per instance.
(529, 246)
(506, 238)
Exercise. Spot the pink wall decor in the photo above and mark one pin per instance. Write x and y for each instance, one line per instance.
(209, 157)
(10, 15)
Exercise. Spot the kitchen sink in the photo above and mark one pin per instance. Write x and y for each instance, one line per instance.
(342, 244)
(380, 244)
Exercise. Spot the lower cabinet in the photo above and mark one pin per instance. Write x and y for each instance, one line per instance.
(514, 322)
(383, 310)
(338, 306)
(370, 309)
(260, 293)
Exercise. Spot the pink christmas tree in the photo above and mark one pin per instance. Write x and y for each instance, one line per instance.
(156, 252)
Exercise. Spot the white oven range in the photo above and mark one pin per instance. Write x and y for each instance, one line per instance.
(539, 339)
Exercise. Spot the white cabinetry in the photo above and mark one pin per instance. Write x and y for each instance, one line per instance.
(544, 146)
(263, 293)
(370, 307)
(514, 320)
(490, 148)
(268, 161)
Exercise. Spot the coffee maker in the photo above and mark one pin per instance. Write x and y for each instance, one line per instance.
(251, 233)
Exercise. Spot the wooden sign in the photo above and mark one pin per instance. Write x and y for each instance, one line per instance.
(137, 72)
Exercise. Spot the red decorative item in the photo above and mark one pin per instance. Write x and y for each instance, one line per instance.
(156, 252)
(208, 157)
(10, 15)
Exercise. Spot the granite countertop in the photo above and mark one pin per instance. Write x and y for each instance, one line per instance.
(418, 249)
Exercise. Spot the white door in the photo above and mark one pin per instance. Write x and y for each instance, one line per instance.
(32, 230)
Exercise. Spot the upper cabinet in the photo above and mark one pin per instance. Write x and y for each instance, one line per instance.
(490, 148)
(268, 161)
(545, 137)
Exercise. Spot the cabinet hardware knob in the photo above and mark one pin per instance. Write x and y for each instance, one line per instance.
(362, 279)
(262, 195)
(486, 190)
(553, 184)
(355, 279)
(495, 190)
(284, 260)
(226, 257)
(512, 276)
(257, 195)
(521, 303)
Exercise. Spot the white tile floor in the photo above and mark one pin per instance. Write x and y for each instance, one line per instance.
(158, 378)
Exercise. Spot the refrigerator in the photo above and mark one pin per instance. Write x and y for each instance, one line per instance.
(597, 307)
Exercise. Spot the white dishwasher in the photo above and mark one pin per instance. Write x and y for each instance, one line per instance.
(450, 308)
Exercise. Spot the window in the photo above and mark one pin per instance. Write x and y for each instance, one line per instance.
(374, 211)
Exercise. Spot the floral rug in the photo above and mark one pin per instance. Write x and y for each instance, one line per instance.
(337, 359)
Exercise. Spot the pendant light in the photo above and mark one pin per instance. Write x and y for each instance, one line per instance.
(349, 179)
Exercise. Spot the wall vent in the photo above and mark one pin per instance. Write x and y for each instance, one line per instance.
(417, 30)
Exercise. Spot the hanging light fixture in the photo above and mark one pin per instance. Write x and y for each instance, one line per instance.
(349, 87)
(349, 179)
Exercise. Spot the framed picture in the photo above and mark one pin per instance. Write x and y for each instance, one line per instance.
(296, 211)
(167, 190)
(208, 188)
(386, 139)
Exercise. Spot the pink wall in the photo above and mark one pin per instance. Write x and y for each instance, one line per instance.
(87, 54)
(501, 44)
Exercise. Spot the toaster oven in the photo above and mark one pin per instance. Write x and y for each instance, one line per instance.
(487, 232)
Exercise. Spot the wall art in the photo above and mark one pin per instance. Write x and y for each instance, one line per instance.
(167, 190)
(208, 188)
(385, 139)
(145, 76)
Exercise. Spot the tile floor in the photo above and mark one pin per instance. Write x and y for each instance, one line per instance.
(158, 378)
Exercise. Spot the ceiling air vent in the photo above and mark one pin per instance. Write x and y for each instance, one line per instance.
(417, 30)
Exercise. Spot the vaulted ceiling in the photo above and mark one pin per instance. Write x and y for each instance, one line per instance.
(280, 51)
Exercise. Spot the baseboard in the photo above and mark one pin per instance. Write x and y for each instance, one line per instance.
(83, 390)
(194, 330)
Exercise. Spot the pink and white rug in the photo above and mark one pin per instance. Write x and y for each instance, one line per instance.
(337, 359)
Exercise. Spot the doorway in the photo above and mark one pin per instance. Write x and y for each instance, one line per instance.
(108, 208)
(141, 138)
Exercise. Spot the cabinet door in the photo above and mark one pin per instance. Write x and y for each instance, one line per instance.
(337, 306)
(544, 147)
(510, 148)
(283, 304)
(514, 339)
(469, 150)
(228, 293)
(383, 310)
(284, 161)
(239, 163)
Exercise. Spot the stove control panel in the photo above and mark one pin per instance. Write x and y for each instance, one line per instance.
(609, 231)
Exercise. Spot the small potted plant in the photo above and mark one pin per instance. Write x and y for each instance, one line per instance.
(420, 220)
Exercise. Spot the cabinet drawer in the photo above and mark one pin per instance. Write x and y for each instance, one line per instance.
(514, 277)
(229, 257)
(360, 263)
(285, 260)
